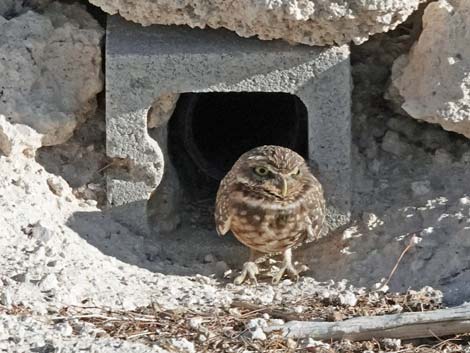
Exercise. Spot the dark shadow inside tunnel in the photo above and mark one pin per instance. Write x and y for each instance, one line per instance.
(209, 131)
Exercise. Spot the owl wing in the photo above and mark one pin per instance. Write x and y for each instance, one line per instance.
(223, 215)
(315, 216)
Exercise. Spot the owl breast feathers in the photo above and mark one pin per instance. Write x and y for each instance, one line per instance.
(270, 200)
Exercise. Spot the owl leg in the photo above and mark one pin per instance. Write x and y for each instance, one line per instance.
(250, 269)
(288, 267)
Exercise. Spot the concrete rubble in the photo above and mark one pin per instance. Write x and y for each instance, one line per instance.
(312, 22)
(50, 64)
(432, 82)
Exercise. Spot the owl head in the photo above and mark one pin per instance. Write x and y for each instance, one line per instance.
(272, 172)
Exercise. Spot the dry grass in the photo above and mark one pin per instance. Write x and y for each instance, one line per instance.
(223, 329)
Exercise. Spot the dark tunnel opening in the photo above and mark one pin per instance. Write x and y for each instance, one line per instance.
(209, 131)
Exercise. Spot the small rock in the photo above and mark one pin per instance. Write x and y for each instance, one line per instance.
(464, 201)
(380, 287)
(95, 187)
(49, 282)
(20, 277)
(420, 188)
(253, 323)
(392, 343)
(348, 298)
(6, 298)
(92, 203)
(276, 322)
(256, 334)
(465, 159)
(311, 343)
(255, 329)
(17, 138)
(209, 258)
(371, 220)
(202, 279)
(235, 312)
(441, 156)
(55, 186)
(183, 345)
(324, 293)
(64, 328)
(291, 344)
(202, 338)
(41, 232)
(195, 322)
(394, 144)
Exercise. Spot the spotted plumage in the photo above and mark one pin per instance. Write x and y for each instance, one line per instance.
(271, 202)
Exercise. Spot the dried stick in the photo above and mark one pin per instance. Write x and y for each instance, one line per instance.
(413, 241)
(442, 322)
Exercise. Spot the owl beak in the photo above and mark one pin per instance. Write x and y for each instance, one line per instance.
(284, 187)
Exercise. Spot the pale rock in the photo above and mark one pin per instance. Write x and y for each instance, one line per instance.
(432, 82)
(50, 64)
(195, 323)
(64, 328)
(394, 144)
(441, 156)
(464, 201)
(465, 159)
(41, 232)
(253, 323)
(257, 334)
(276, 322)
(311, 343)
(392, 343)
(312, 22)
(161, 110)
(56, 186)
(183, 345)
(17, 138)
(49, 282)
(420, 188)
(6, 298)
(347, 298)
(255, 329)
(209, 258)
(371, 220)
(221, 269)
(381, 286)
(291, 344)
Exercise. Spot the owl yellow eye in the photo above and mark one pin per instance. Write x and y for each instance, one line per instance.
(261, 171)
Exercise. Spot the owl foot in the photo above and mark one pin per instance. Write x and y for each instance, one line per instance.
(291, 271)
(250, 269)
(288, 267)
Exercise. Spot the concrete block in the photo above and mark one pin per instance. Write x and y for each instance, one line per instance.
(144, 63)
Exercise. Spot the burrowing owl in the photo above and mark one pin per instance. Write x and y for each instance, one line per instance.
(271, 203)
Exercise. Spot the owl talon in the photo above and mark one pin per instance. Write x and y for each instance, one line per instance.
(291, 271)
(288, 267)
(250, 269)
